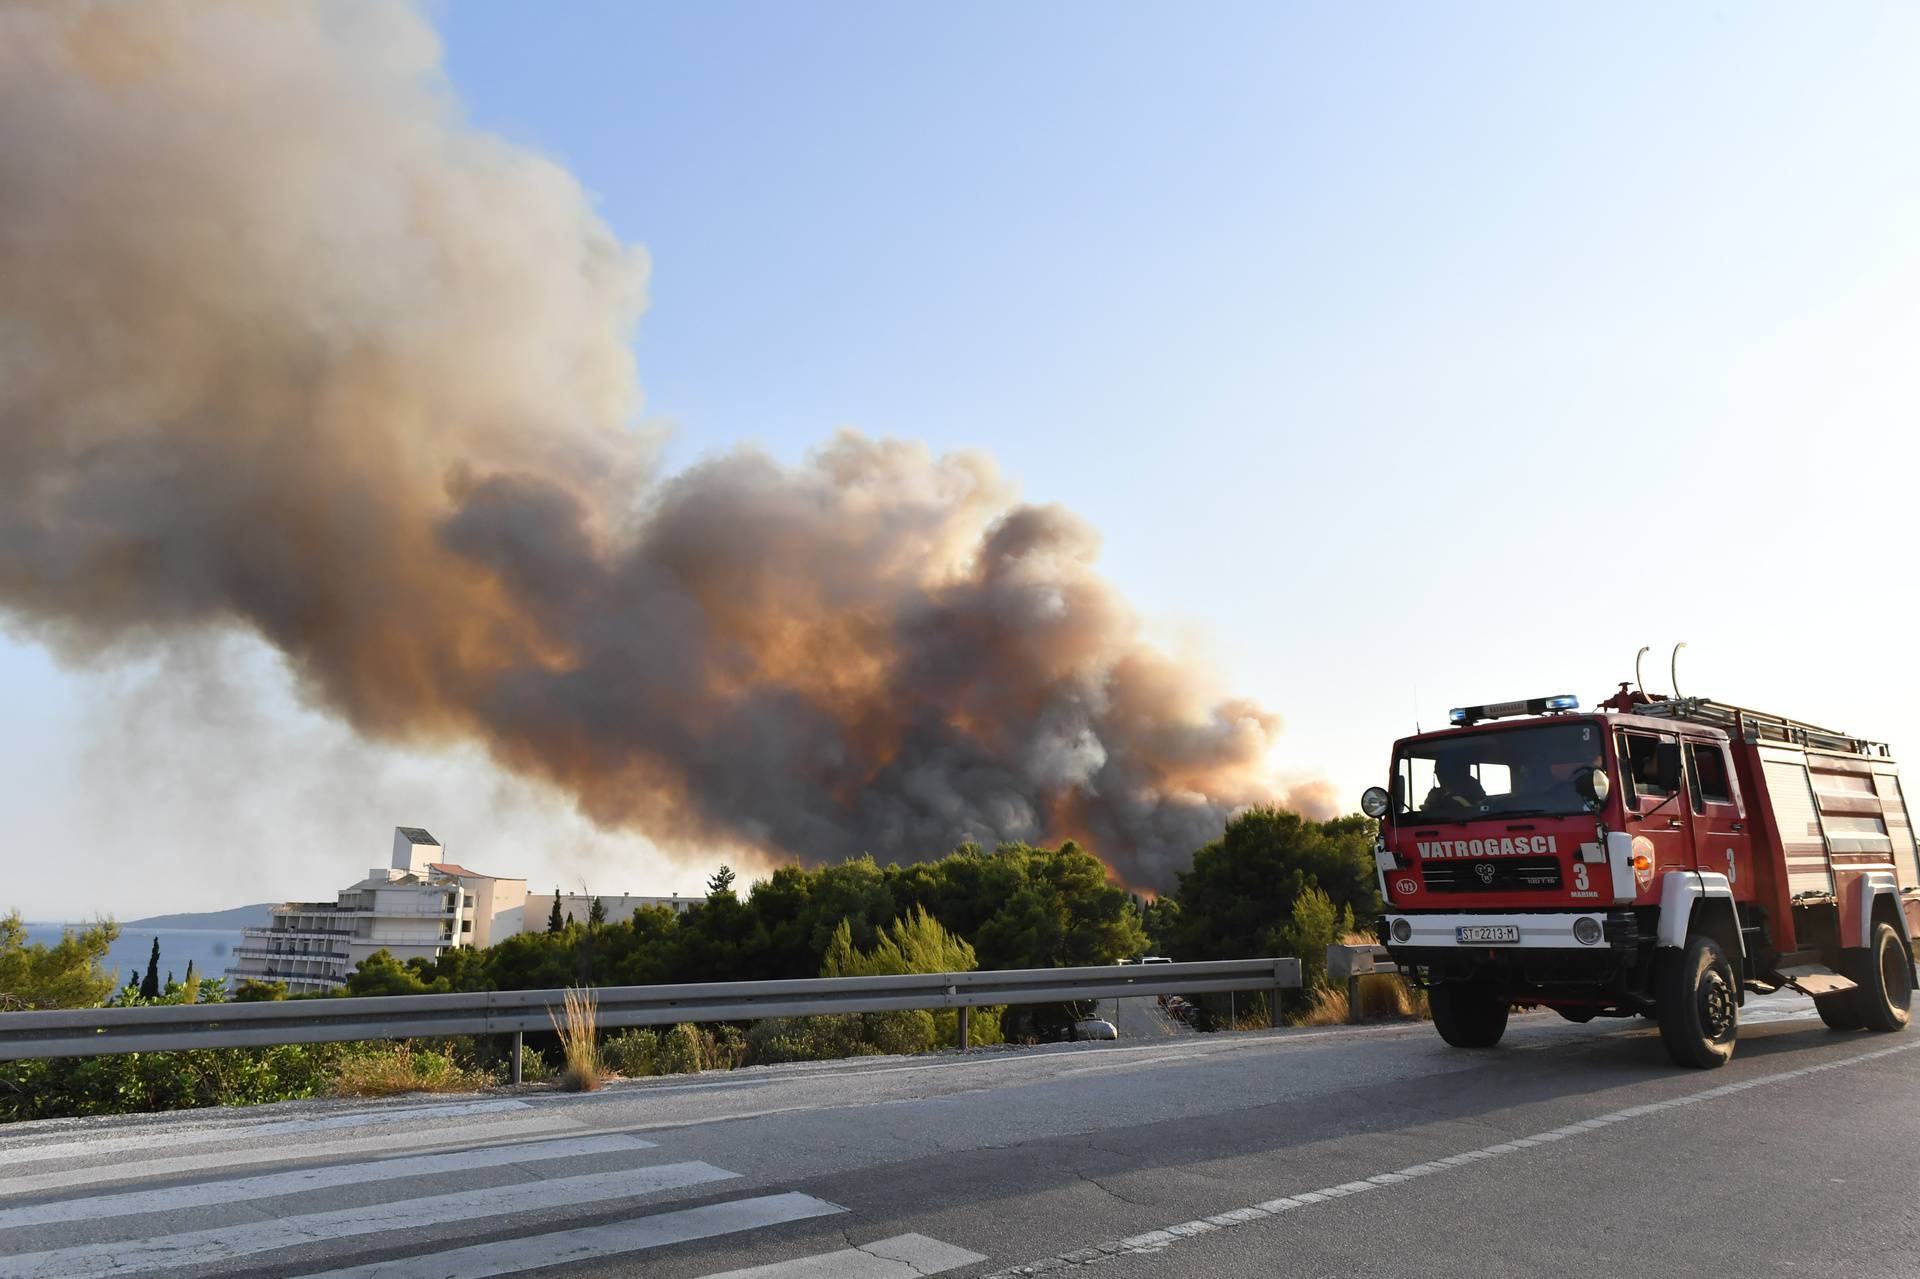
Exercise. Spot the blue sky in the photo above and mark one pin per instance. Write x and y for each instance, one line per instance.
(1404, 355)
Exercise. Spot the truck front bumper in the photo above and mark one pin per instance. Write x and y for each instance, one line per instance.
(1546, 959)
(1535, 931)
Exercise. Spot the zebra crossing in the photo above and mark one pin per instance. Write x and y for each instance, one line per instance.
(421, 1181)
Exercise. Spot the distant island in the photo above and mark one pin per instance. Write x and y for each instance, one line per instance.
(255, 916)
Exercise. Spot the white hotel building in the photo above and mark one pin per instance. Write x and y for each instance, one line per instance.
(418, 906)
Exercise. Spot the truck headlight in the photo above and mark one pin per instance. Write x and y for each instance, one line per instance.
(1587, 931)
(1402, 931)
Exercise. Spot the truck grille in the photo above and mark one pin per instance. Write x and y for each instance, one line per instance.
(1500, 875)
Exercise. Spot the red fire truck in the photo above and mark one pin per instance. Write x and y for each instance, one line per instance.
(1655, 856)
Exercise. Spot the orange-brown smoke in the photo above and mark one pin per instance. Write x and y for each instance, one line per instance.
(287, 346)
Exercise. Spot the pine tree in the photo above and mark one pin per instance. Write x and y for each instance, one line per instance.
(553, 916)
(597, 913)
(150, 988)
(721, 885)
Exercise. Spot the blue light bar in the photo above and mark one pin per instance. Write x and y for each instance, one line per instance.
(1464, 715)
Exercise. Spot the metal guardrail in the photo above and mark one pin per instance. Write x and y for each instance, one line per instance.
(175, 1027)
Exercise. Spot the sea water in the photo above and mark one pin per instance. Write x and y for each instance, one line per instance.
(209, 949)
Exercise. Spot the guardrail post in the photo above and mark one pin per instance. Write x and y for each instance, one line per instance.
(1353, 999)
(964, 1010)
(516, 1056)
(1233, 1017)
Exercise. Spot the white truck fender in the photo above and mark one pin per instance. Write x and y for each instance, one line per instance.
(1869, 886)
(1679, 890)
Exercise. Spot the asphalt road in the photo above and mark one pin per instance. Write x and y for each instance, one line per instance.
(1327, 1152)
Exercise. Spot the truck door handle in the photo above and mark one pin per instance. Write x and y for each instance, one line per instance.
(1738, 827)
(1673, 823)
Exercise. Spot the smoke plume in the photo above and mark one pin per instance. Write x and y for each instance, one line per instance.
(288, 347)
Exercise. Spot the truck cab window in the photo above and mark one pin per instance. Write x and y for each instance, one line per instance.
(1707, 775)
(1505, 771)
(1641, 755)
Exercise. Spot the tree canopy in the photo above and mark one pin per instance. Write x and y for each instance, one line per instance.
(1015, 907)
(1243, 896)
(70, 973)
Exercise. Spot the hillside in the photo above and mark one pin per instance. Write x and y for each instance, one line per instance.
(239, 917)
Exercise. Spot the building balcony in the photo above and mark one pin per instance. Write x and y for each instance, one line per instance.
(252, 952)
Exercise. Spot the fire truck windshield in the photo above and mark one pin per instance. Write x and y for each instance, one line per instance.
(1506, 772)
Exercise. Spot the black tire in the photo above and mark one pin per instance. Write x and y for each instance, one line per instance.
(1885, 976)
(1578, 1016)
(1840, 1012)
(1698, 1003)
(1468, 1014)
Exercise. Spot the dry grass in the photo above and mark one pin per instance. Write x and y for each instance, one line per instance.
(582, 1070)
(1382, 998)
(382, 1070)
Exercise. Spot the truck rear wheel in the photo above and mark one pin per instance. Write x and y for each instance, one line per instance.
(1886, 981)
(1698, 1003)
(1468, 1014)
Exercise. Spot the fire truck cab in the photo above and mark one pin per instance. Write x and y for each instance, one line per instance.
(1654, 856)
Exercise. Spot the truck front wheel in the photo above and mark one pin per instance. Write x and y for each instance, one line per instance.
(1885, 978)
(1698, 1004)
(1468, 1014)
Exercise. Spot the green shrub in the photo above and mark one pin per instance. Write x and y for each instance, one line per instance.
(677, 1050)
(631, 1052)
(139, 1082)
(824, 1038)
(534, 1067)
(680, 1051)
(726, 1047)
(381, 1070)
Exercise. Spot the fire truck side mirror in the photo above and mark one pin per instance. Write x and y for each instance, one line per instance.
(1593, 785)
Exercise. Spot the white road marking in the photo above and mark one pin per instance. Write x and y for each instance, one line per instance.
(589, 1243)
(1159, 1240)
(1121, 1065)
(169, 1135)
(239, 1189)
(386, 1143)
(901, 1257)
(223, 1243)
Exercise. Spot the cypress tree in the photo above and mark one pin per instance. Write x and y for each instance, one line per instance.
(150, 988)
(553, 916)
(597, 913)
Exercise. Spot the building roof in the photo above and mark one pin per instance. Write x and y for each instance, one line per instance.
(448, 868)
(416, 835)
